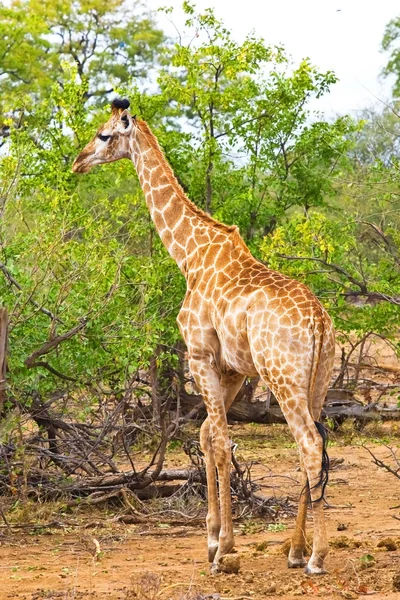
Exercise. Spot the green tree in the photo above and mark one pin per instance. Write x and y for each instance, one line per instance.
(110, 43)
(351, 265)
(89, 288)
(257, 149)
(378, 139)
(391, 44)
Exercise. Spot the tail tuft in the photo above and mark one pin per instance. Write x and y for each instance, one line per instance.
(324, 475)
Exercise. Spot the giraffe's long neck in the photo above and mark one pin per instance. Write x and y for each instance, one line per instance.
(183, 228)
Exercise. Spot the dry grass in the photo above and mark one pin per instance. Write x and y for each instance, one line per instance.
(148, 587)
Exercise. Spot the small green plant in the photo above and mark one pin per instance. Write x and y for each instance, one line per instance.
(330, 424)
(275, 527)
(175, 445)
(367, 559)
(251, 527)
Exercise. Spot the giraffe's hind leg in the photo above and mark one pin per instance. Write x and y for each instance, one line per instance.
(320, 545)
(315, 403)
(297, 551)
(311, 446)
(299, 540)
(320, 549)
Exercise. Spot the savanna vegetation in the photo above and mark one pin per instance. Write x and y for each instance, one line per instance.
(95, 366)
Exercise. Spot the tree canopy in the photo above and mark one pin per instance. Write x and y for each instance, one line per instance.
(91, 292)
(108, 42)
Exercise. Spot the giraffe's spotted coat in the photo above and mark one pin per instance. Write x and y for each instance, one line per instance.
(238, 318)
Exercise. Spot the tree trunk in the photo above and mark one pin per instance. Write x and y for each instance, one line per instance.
(3, 352)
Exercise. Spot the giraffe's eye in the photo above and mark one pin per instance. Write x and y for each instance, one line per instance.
(103, 138)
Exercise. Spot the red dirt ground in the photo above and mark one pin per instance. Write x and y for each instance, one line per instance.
(58, 563)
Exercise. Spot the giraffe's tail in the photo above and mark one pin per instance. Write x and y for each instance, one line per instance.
(315, 404)
(318, 339)
(324, 474)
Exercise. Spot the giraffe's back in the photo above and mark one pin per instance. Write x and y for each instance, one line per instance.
(267, 323)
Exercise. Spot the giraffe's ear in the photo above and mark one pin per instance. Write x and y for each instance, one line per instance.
(125, 123)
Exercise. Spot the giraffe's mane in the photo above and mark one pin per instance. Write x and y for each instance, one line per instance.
(144, 128)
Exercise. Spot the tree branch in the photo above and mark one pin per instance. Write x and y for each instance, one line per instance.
(333, 266)
(15, 283)
(45, 365)
(385, 239)
(51, 344)
(360, 284)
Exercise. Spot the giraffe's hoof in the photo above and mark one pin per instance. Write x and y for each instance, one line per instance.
(214, 569)
(296, 563)
(315, 571)
(229, 563)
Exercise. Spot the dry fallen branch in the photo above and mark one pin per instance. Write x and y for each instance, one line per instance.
(80, 461)
(394, 469)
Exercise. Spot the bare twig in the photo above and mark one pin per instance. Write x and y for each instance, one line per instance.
(15, 283)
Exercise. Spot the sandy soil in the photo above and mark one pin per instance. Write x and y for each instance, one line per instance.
(58, 562)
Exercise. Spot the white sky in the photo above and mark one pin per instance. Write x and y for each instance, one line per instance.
(346, 41)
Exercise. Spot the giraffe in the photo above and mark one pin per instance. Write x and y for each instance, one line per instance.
(238, 319)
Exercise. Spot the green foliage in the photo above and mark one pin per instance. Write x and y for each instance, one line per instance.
(90, 289)
(80, 249)
(108, 42)
(276, 527)
(391, 43)
(337, 257)
(257, 148)
(377, 139)
(367, 559)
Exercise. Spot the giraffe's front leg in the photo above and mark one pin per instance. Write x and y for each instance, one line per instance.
(218, 390)
(213, 515)
(222, 453)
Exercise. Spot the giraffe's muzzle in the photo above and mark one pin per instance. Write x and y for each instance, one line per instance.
(79, 166)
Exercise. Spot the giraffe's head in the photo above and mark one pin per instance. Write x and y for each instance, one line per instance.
(111, 141)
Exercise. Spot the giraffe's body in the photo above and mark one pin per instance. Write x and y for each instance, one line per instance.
(238, 319)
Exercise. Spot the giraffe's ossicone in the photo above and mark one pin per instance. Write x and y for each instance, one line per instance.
(238, 319)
